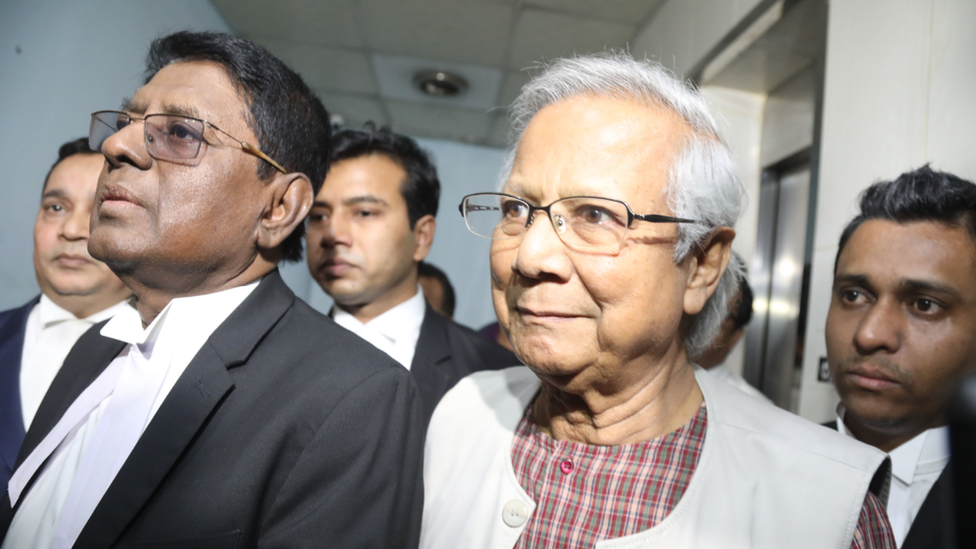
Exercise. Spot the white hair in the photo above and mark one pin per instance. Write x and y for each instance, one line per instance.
(702, 184)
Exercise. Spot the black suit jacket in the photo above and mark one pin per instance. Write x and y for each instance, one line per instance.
(284, 430)
(447, 352)
(13, 323)
(931, 525)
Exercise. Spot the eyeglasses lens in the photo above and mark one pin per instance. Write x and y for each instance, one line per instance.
(173, 138)
(104, 125)
(584, 224)
(168, 137)
(495, 216)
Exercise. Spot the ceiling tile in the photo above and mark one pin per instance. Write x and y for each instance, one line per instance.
(467, 32)
(512, 85)
(544, 36)
(395, 75)
(622, 11)
(326, 68)
(427, 120)
(498, 135)
(355, 110)
(323, 22)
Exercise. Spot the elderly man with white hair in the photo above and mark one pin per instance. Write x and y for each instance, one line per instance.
(610, 242)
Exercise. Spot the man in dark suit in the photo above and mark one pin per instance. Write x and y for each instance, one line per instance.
(900, 336)
(77, 292)
(218, 410)
(371, 225)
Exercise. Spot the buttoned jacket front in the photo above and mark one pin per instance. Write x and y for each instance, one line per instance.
(765, 478)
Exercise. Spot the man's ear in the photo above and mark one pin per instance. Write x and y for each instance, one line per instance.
(707, 266)
(423, 236)
(290, 199)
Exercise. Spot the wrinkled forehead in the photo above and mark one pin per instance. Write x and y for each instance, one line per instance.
(598, 146)
(76, 175)
(198, 89)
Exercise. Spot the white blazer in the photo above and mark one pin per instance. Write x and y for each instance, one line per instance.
(765, 478)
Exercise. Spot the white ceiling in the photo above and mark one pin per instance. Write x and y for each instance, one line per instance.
(340, 46)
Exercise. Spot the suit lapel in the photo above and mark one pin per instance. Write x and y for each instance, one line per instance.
(90, 356)
(86, 361)
(11, 352)
(195, 397)
(934, 518)
(433, 347)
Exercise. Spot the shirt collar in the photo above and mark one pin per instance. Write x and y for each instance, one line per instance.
(394, 323)
(927, 451)
(50, 313)
(182, 320)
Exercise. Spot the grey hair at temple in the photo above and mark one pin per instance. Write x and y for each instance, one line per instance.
(702, 181)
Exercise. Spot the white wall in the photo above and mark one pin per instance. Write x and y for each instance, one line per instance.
(59, 61)
(740, 115)
(898, 93)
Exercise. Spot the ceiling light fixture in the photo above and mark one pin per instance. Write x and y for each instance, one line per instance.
(440, 83)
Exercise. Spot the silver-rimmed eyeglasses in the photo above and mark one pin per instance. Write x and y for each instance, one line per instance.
(583, 223)
(169, 137)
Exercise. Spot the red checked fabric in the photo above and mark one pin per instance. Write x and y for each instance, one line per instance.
(589, 493)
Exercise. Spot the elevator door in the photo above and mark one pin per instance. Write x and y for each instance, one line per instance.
(774, 344)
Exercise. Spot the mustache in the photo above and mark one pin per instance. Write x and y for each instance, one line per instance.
(70, 248)
(879, 364)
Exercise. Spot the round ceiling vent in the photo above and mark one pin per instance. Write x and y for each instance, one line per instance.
(440, 83)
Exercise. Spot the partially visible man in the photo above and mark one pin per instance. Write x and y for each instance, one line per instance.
(610, 243)
(216, 409)
(437, 288)
(77, 292)
(900, 335)
(371, 225)
(729, 334)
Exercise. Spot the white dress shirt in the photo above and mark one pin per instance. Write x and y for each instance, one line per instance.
(48, 336)
(394, 332)
(95, 436)
(915, 466)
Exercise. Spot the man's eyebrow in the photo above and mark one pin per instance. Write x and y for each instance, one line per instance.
(180, 109)
(367, 198)
(852, 280)
(928, 286)
(53, 193)
(128, 106)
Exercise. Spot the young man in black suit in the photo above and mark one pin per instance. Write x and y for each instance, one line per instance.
(220, 410)
(77, 292)
(371, 225)
(900, 336)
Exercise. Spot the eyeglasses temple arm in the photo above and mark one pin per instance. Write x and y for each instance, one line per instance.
(653, 218)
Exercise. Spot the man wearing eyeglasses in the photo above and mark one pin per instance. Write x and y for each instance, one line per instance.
(219, 410)
(77, 291)
(610, 242)
(371, 225)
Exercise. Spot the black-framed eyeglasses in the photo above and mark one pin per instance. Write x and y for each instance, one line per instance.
(583, 223)
(169, 137)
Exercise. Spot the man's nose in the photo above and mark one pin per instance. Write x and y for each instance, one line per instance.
(75, 227)
(541, 253)
(336, 232)
(880, 329)
(127, 146)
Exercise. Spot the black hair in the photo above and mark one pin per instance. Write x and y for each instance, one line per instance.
(921, 195)
(421, 189)
(71, 148)
(290, 123)
(742, 313)
(425, 269)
